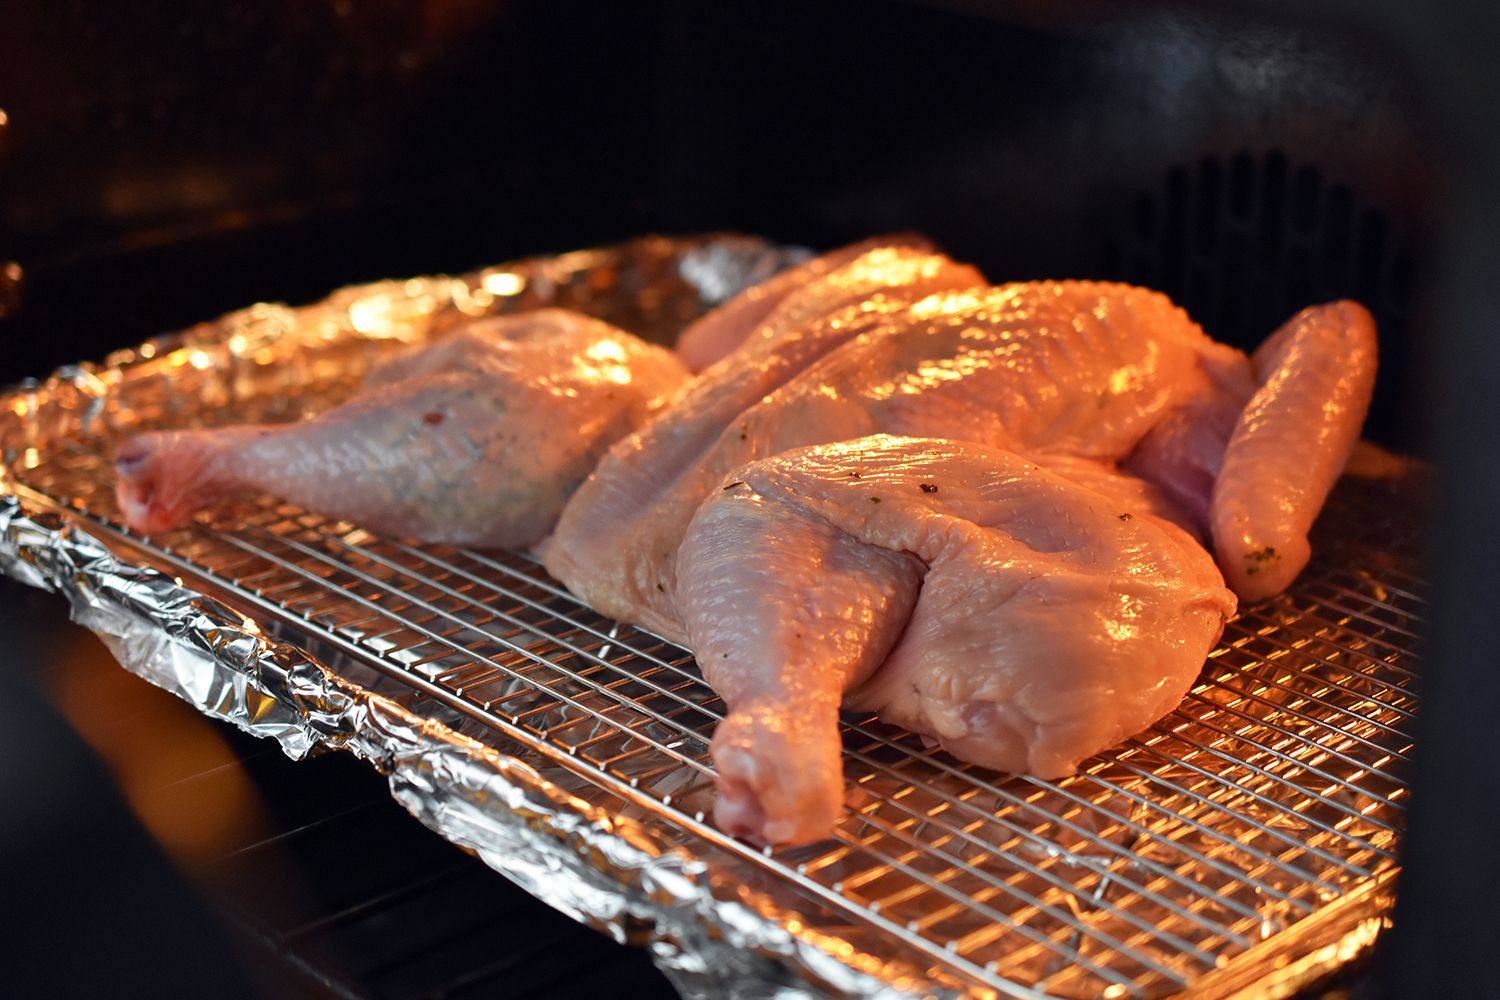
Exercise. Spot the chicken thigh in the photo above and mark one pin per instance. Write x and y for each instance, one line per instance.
(478, 439)
(1019, 618)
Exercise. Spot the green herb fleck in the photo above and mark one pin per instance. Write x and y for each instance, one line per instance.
(1261, 559)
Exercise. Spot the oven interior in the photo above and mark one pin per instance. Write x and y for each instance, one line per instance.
(207, 155)
(165, 165)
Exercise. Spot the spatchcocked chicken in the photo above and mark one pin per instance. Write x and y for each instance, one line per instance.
(1002, 516)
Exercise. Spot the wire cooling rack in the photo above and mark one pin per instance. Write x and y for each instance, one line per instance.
(1196, 854)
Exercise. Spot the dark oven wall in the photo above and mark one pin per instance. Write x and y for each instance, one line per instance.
(166, 162)
(1246, 168)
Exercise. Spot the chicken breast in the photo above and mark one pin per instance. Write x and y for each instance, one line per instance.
(1064, 368)
(1022, 620)
(617, 538)
(478, 439)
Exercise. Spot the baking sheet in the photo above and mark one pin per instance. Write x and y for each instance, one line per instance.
(1247, 842)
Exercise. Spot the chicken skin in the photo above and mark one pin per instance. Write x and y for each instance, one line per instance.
(1021, 576)
(1021, 619)
(477, 439)
(1001, 516)
(719, 332)
(650, 484)
(1105, 372)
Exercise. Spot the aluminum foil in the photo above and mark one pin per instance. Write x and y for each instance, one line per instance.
(718, 918)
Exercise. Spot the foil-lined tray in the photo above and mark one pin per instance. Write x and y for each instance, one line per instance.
(1244, 845)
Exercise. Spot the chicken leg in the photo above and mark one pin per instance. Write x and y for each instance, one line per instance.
(1020, 619)
(478, 439)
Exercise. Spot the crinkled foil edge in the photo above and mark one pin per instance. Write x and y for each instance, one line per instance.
(559, 848)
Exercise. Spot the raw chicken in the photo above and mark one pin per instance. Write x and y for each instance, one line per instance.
(717, 333)
(478, 439)
(1025, 618)
(617, 539)
(1100, 371)
(1021, 619)
(1031, 607)
(1290, 444)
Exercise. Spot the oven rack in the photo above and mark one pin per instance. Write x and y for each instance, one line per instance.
(1272, 797)
(1247, 841)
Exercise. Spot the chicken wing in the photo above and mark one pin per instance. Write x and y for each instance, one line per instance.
(1070, 368)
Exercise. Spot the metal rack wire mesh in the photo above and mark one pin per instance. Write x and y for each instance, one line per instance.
(1274, 790)
(1268, 803)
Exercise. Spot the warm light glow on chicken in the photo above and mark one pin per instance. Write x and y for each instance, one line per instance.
(985, 512)
(477, 439)
(802, 582)
(1022, 620)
